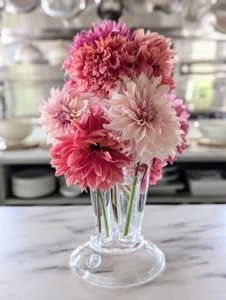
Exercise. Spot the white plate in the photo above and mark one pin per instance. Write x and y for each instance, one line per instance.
(168, 178)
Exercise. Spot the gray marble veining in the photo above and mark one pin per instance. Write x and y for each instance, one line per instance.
(35, 244)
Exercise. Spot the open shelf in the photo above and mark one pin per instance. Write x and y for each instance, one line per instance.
(84, 199)
(184, 198)
(55, 199)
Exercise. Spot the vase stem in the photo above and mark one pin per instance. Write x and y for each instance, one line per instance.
(114, 204)
(125, 191)
(98, 213)
(104, 212)
(130, 204)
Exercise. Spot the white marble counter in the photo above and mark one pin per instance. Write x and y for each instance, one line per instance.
(36, 243)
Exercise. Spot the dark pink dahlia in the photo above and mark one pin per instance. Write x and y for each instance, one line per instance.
(98, 58)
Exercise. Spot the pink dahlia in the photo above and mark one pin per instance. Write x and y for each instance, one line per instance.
(181, 111)
(155, 173)
(103, 30)
(90, 156)
(154, 57)
(145, 120)
(63, 108)
(156, 170)
(98, 58)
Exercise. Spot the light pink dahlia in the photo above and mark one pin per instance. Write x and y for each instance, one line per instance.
(90, 156)
(181, 111)
(144, 120)
(63, 108)
(98, 59)
(153, 56)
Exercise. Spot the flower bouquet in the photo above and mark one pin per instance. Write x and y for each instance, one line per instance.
(113, 127)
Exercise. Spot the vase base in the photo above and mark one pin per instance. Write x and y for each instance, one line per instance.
(118, 271)
(114, 246)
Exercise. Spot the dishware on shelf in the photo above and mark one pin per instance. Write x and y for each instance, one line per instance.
(64, 9)
(214, 130)
(15, 130)
(58, 53)
(169, 173)
(169, 188)
(110, 9)
(20, 6)
(70, 191)
(138, 7)
(28, 54)
(207, 182)
(33, 183)
(218, 17)
(211, 143)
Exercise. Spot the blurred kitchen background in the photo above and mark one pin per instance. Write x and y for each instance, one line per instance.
(35, 38)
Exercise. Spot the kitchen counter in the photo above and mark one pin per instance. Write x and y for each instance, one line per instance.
(194, 153)
(36, 243)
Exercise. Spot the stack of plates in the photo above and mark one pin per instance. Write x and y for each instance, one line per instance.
(207, 182)
(170, 183)
(170, 173)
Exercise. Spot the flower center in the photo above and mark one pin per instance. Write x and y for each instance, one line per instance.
(66, 117)
(145, 115)
(95, 146)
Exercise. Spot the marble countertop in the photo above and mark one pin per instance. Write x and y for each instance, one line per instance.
(36, 243)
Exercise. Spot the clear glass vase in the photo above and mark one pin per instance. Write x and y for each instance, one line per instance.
(117, 255)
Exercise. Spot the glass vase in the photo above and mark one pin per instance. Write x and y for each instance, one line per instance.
(117, 255)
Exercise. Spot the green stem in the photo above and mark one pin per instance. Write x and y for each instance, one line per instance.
(130, 204)
(114, 199)
(114, 204)
(104, 213)
(125, 191)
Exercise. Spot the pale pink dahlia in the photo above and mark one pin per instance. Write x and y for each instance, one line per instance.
(153, 56)
(144, 120)
(63, 108)
(181, 111)
(90, 156)
(97, 59)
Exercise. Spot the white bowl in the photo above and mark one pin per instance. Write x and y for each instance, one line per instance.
(27, 54)
(33, 183)
(70, 191)
(16, 130)
(213, 129)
